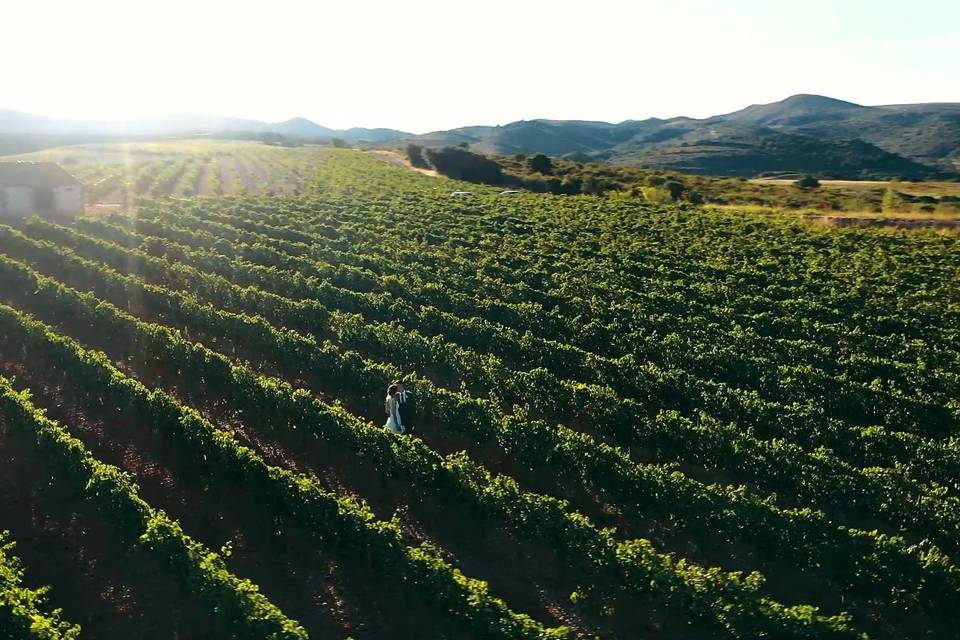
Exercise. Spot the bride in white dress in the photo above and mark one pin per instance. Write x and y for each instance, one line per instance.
(392, 405)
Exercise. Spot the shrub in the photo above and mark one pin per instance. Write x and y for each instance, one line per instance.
(534, 184)
(807, 182)
(456, 162)
(656, 195)
(540, 163)
(415, 156)
(891, 201)
(595, 185)
(571, 186)
(675, 188)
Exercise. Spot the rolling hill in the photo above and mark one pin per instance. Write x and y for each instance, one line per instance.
(21, 123)
(806, 133)
(803, 133)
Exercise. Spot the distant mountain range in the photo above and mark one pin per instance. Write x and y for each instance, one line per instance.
(20, 123)
(803, 133)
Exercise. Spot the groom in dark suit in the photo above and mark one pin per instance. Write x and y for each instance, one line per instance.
(407, 406)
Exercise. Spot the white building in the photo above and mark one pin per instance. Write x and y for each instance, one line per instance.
(38, 187)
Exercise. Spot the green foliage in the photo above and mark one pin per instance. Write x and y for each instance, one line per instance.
(614, 352)
(599, 178)
(540, 164)
(595, 185)
(415, 156)
(530, 514)
(675, 188)
(23, 611)
(891, 202)
(242, 608)
(656, 195)
(322, 512)
(458, 163)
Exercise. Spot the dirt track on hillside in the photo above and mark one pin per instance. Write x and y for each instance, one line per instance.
(227, 176)
(397, 158)
(205, 179)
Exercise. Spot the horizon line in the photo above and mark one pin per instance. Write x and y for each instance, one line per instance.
(195, 113)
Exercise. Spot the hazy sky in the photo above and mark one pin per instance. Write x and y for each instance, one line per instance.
(424, 65)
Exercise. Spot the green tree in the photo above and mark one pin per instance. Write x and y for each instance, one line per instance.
(675, 188)
(594, 185)
(461, 164)
(415, 156)
(571, 186)
(540, 163)
(807, 182)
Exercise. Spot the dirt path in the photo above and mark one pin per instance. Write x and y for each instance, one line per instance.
(228, 175)
(247, 182)
(295, 180)
(205, 182)
(397, 158)
(259, 176)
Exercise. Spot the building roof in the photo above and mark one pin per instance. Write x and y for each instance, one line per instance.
(35, 174)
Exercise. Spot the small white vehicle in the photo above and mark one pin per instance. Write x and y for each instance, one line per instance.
(509, 192)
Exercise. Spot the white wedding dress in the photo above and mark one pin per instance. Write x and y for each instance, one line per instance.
(393, 416)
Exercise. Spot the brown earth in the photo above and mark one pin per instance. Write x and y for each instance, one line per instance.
(529, 575)
(100, 578)
(205, 179)
(259, 176)
(228, 175)
(400, 160)
(247, 181)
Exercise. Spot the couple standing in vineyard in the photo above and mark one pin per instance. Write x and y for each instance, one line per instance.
(400, 408)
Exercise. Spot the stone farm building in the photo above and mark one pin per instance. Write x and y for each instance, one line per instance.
(38, 187)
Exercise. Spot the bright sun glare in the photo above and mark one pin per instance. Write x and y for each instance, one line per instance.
(429, 65)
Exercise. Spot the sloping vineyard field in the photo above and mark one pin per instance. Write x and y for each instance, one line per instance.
(118, 175)
(634, 421)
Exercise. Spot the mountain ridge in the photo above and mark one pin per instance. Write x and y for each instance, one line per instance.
(14, 122)
(804, 132)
